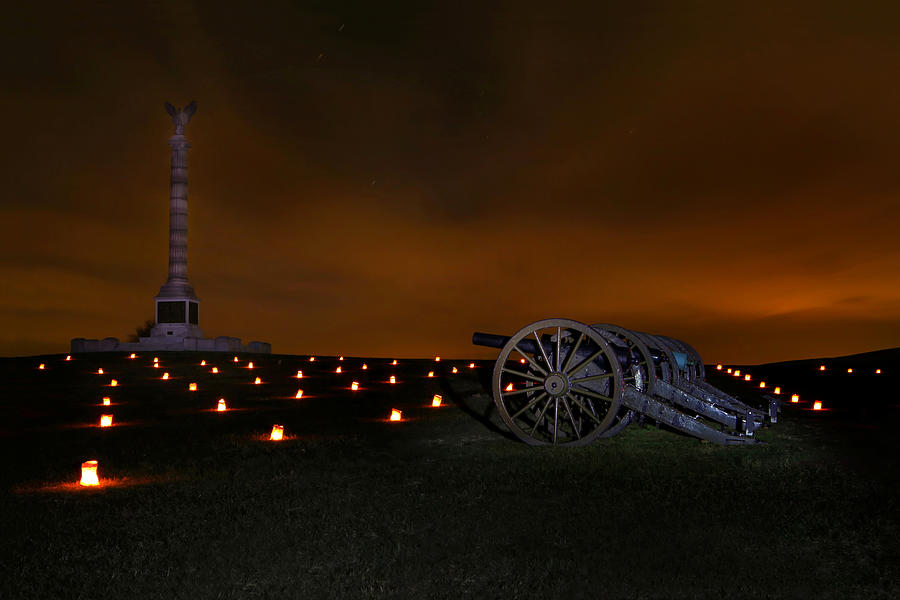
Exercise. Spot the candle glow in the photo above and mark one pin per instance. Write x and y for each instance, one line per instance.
(220, 406)
(777, 390)
(106, 420)
(257, 381)
(113, 382)
(436, 400)
(817, 405)
(431, 373)
(192, 387)
(299, 374)
(165, 375)
(354, 386)
(393, 379)
(106, 401)
(795, 398)
(215, 370)
(89, 473)
(396, 415)
(299, 394)
(277, 433)
(338, 370)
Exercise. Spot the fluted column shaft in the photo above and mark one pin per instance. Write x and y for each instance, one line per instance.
(178, 209)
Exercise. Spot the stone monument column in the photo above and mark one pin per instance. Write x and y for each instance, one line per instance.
(177, 306)
(177, 315)
(178, 209)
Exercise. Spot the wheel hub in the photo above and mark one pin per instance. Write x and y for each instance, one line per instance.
(556, 384)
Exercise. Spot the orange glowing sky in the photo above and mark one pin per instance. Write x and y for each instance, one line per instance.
(385, 178)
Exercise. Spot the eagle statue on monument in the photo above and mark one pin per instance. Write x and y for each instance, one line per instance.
(181, 117)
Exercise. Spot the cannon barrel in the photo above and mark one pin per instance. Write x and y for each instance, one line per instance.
(492, 340)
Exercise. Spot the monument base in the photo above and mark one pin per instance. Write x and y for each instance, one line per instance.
(163, 343)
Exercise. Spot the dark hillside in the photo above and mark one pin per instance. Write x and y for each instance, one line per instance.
(200, 504)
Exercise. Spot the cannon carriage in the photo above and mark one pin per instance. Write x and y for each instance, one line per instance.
(561, 382)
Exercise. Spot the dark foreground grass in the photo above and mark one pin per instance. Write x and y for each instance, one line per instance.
(199, 505)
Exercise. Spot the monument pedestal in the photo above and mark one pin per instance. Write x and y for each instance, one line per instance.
(177, 311)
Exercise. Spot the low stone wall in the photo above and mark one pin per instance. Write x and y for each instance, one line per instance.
(161, 343)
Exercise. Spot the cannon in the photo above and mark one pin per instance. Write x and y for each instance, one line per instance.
(561, 382)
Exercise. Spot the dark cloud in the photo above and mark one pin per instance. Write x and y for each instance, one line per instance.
(386, 177)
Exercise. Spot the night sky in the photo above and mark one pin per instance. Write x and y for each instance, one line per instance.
(384, 178)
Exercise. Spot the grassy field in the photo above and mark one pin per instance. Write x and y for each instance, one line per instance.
(199, 504)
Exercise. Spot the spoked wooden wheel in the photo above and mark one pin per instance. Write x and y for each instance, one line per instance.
(667, 367)
(557, 382)
(696, 370)
(641, 372)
